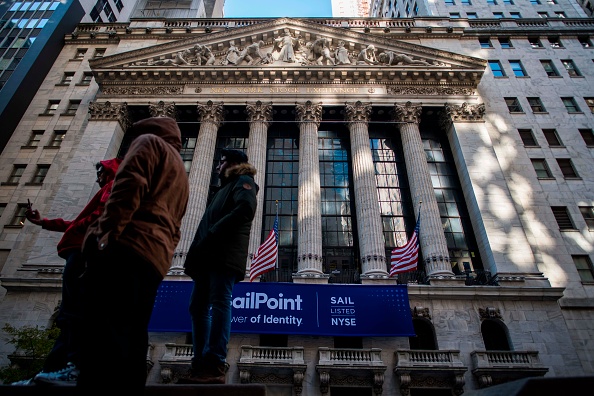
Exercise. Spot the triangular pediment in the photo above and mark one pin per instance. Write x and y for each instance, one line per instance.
(287, 48)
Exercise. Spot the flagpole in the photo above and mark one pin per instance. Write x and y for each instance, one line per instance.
(278, 243)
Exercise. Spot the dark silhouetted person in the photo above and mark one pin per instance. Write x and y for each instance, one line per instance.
(129, 250)
(60, 366)
(216, 261)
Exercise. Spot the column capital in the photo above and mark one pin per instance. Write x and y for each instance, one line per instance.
(463, 113)
(408, 112)
(357, 111)
(108, 111)
(162, 109)
(259, 112)
(211, 112)
(309, 112)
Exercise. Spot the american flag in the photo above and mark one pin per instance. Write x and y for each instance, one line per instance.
(265, 258)
(405, 258)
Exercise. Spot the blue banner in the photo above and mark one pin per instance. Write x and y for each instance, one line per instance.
(295, 308)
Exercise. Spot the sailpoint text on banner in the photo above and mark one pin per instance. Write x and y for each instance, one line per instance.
(291, 308)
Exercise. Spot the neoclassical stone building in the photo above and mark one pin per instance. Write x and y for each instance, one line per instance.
(356, 128)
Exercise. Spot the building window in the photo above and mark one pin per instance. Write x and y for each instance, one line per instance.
(551, 2)
(590, 104)
(80, 53)
(72, 107)
(585, 41)
(517, 68)
(515, 15)
(96, 15)
(492, 2)
(536, 105)
(16, 174)
(572, 70)
(67, 78)
(541, 168)
(567, 168)
(527, 138)
(446, 185)
(508, 2)
(588, 214)
(498, 15)
(535, 2)
(40, 174)
(552, 137)
(18, 220)
(450, 2)
(86, 78)
(555, 42)
(588, 136)
(52, 107)
(99, 53)
(584, 267)
(34, 139)
(471, 15)
(454, 15)
(56, 140)
(496, 69)
(549, 68)
(465, 2)
(513, 105)
(571, 105)
(119, 5)
(560, 14)
(562, 217)
(505, 42)
(535, 42)
(485, 42)
(282, 173)
(2, 208)
(543, 14)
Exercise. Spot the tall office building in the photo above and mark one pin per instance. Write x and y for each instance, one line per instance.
(350, 8)
(476, 118)
(31, 37)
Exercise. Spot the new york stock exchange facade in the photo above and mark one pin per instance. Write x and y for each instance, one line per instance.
(354, 135)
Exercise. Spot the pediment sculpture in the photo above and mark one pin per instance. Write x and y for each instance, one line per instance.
(287, 48)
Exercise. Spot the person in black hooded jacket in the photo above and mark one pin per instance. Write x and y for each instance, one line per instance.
(216, 261)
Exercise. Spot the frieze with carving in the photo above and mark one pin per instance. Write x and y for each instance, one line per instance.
(288, 48)
(430, 90)
(148, 90)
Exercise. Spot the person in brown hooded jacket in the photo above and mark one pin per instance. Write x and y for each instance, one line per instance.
(60, 364)
(129, 250)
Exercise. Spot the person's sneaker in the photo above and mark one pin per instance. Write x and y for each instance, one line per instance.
(24, 382)
(66, 376)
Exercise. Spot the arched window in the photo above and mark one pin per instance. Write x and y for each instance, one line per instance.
(425, 335)
(495, 335)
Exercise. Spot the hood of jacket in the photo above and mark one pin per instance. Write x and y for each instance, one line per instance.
(238, 170)
(110, 166)
(164, 127)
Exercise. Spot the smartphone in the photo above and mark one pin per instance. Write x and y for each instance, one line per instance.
(29, 206)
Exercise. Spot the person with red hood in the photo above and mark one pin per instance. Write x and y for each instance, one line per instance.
(129, 250)
(60, 366)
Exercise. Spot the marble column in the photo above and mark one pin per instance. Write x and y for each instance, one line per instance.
(369, 224)
(211, 117)
(431, 237)
(259, 117)
(309, 218)
(504, 242)
(162, 109)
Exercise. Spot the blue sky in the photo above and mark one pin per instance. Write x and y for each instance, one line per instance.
(277, 8)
